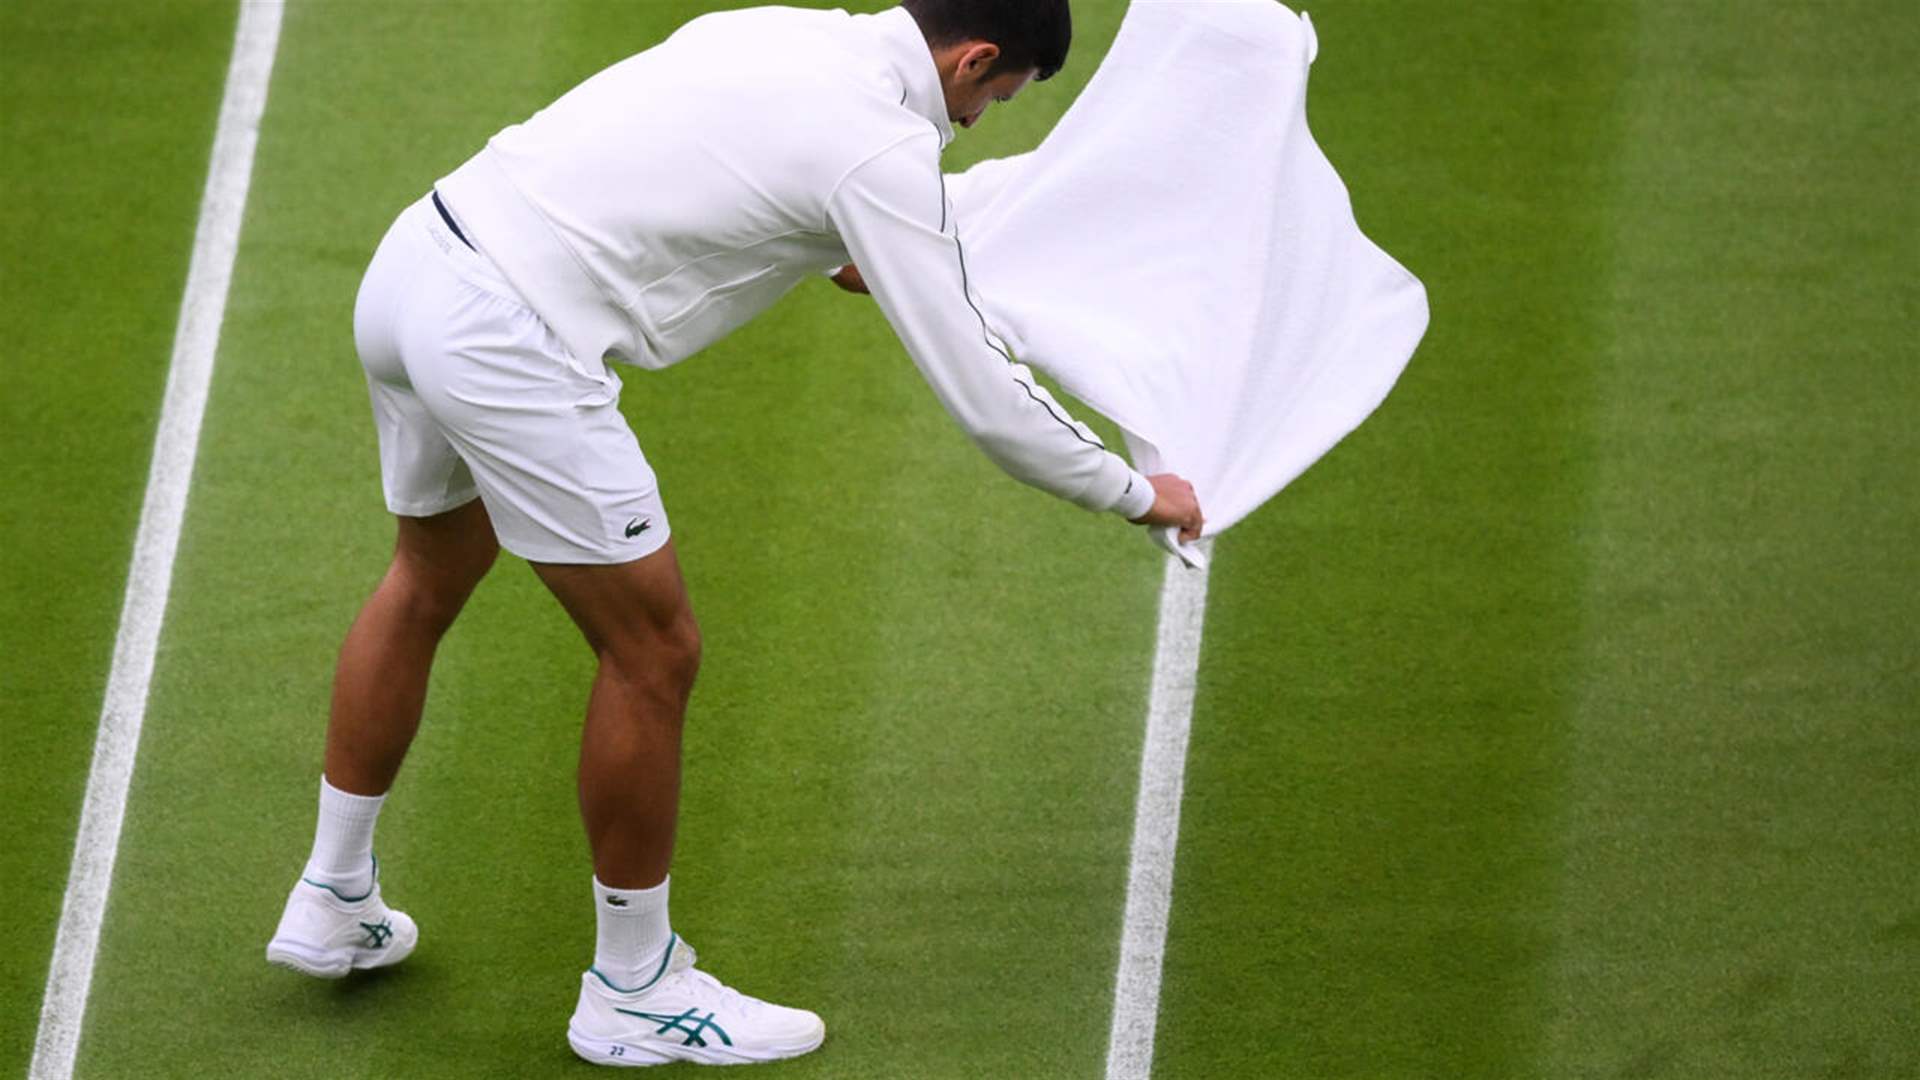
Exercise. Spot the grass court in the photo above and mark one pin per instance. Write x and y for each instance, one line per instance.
(1563, 722)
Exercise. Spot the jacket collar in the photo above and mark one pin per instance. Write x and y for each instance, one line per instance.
(906, 52)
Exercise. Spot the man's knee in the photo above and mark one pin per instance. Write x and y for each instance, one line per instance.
(430, 599)
(438, 560)
(665, 653)
(683, 647)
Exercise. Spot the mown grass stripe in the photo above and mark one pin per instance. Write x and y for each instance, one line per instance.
(1737, 852)
(216, 240)
(1368, 844)
(1156, 820)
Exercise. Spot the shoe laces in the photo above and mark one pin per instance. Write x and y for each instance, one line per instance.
(729, 998)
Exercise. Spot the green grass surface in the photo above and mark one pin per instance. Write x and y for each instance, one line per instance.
(1740, 887)
(1389, 676)
(106, 113)
(1561, 724)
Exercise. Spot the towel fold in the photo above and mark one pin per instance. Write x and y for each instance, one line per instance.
(1180, 255)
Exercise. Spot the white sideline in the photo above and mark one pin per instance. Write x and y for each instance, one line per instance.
(216, 239)
(1156, 821)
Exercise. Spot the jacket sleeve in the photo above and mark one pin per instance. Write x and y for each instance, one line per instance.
(893, 215)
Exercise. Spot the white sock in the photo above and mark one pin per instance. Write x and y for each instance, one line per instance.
(342, 858)
(630, 950)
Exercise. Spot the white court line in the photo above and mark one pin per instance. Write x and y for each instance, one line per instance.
(216, 239)
(1156, 822)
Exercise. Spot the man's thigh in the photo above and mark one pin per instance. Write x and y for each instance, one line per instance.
(447, 553)
(636, 605)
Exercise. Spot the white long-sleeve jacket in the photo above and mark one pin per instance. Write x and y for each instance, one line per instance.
(670, 198)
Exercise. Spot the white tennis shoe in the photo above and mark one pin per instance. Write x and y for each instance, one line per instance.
(326, 935)
(684, 1014)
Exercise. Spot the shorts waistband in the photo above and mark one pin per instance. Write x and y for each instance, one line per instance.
(432, 217)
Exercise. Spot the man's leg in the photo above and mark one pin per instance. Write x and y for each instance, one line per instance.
(637, 620)
(335, 919)
(380, 683)
(642, 1002)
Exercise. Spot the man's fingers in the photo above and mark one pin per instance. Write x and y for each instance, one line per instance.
(850, 279)
(1176, 504)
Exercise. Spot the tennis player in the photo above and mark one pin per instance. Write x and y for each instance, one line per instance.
(642, 216)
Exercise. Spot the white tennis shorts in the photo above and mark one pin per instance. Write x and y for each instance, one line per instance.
(474, 395)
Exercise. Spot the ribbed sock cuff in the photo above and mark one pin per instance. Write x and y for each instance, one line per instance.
(633, 934)
(342, 856)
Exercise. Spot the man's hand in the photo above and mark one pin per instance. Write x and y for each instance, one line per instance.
(1174, 503)
(849, 279)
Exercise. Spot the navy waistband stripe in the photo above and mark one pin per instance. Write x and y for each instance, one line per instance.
(448, 218)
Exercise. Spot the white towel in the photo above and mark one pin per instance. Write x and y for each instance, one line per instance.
(1180, 255)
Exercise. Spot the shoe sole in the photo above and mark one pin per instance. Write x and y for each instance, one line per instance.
(320, 965)
(333, 964)
(639, 1055)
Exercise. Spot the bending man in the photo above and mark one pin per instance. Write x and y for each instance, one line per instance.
(643, 215)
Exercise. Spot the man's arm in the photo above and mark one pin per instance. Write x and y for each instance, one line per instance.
(1174, 502)
(892, 214)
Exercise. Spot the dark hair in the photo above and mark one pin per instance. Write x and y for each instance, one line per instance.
(1030, 33)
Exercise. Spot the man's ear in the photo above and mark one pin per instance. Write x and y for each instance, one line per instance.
(977, 59)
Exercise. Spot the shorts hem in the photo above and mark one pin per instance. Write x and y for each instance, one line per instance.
(431, 507)
(575, 556)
